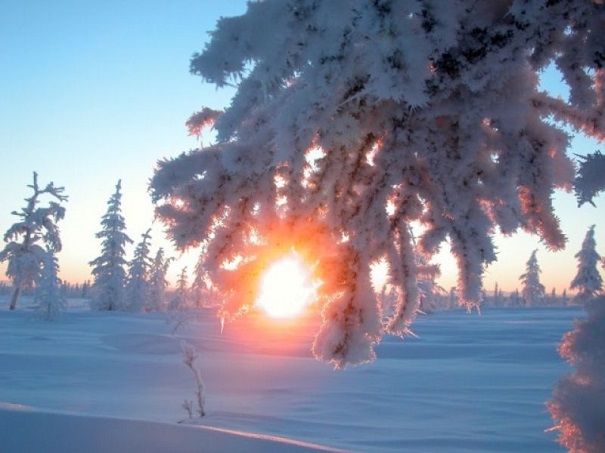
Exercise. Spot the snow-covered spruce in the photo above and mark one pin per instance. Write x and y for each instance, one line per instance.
(48, 297)
(180, 303)
(181, 299)
(202, 291)
(366, 116)
(156, 299)
(108, 269)
(29, 239)
(532, 290)
(588, 281)
(137, 284)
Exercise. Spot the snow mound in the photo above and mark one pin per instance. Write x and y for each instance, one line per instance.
(143, 343)
(68, 433)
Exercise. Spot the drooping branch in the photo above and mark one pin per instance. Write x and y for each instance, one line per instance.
(366, 117)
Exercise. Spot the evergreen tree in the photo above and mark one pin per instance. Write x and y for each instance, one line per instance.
(532, 290)
(429, 290)
(201, 290)
(514, 299)
(181, 299)
(137, 286)
(366, 116)
(26, 240)
(496, 295)
(49, 297)
(553, 297)
(587, 281)
(426, 276)
(85, 289)
(108, 269)
(157, 282)
(564, 297)
(453, 299)
(180, 303)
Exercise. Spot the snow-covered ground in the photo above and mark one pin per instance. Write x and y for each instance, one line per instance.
(115, 382)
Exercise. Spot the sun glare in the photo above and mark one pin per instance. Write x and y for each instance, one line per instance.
(286, 288)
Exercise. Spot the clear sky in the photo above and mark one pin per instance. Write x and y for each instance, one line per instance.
(96, 91)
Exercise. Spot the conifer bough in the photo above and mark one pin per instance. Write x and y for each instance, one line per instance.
(355, 119)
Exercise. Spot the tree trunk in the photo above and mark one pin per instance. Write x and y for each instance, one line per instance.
(15, 297)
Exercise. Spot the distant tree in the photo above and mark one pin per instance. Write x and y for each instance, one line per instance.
(85, 289)
(201, 289)
(49, 297)
(108, 269)
(181, 303)
(553, 297)
(366, 116)
(137, 286)
(588, 282)
(453, 298)
(182, 293)
(514, 299)
(495, 295)
(26, 240)
(156, 299)
(564, 297)
(532, 290)
(68, 288)
(428, 288)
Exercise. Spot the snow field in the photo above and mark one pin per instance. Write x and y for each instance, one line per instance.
(467, 383)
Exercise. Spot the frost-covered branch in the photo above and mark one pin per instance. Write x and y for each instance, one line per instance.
(590, 180)
(199, 120)
(578, 402)
(366, 117)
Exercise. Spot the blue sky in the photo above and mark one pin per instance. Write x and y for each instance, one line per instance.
(91, 92)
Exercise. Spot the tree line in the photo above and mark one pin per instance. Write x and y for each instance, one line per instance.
(139, 284)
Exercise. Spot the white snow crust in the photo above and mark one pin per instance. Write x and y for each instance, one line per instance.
(114, 381)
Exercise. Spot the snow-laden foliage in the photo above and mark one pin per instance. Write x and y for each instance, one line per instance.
(590, 180)
(137, 284)
(156, 299)
(200, 120)
(354, 118)
(532, 290)
(108, 269)
(29, 239)
(49, 298)
(578, 403)
(588, 282)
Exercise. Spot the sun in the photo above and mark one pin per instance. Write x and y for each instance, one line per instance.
(286, 288)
